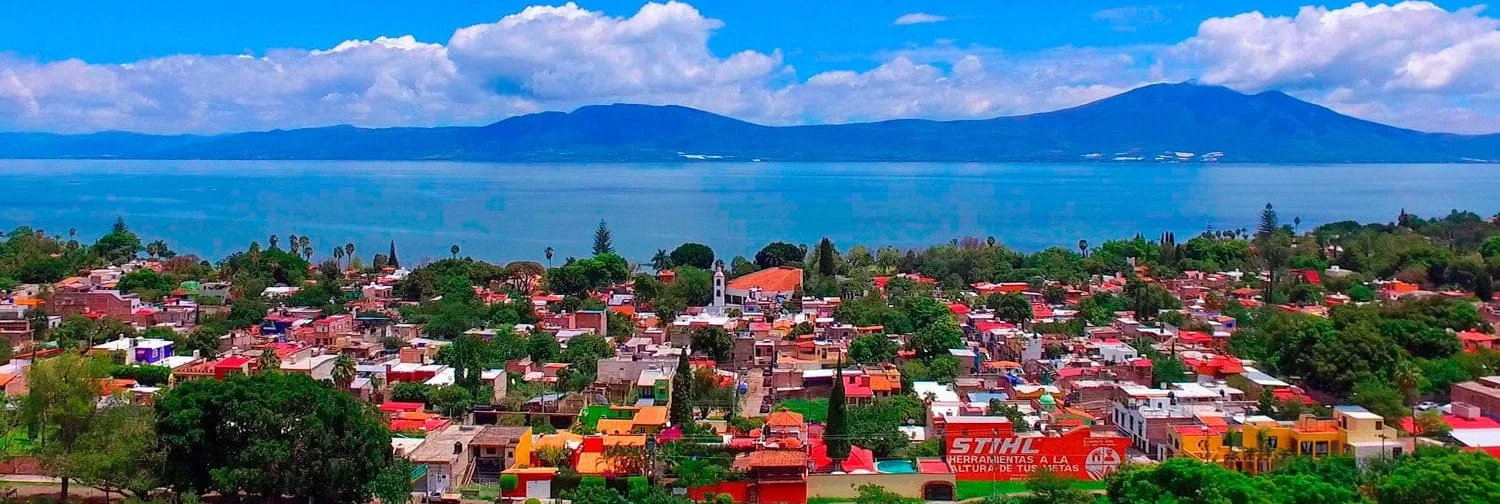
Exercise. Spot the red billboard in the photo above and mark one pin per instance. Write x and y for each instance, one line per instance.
(987, 448)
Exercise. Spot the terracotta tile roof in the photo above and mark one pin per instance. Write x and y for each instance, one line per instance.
(784, 419)
(612, 426)
(770, 458)
(651, 416)
(778, 279)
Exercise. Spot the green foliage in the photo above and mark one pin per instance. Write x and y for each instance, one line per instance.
(812, 410)
(452, 401)
(1100, 308)
(873, 349)
(1361, 293)
(875, 426)
(247, 312)
(62, 397)
(836, 432)
(542, 347)
(876, 494)
(393, 484)
(509, 482)
(1009, 307)
(714, 342)
(412, 392)
(693, 286)
(271, 435)
(778, 254)
(936, 337)
(147, 375)
(1442, 476)
(681, 411)
(146, 282)
(696, 255)
(1381, 399)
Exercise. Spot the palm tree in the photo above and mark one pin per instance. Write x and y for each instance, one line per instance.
(273, 239)
(661, 260)
(1083, 247)
(343, 371)
(349, 252)
(1406, 377)
(307, 251)
(338, 254)
(72, 233)
(268, 361)
(549, 257)
(453, 250)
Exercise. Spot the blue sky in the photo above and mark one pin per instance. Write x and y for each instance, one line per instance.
(171, 66)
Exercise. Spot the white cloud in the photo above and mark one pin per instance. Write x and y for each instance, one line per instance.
(1412, 64)
(1364, 57)
(919, 18)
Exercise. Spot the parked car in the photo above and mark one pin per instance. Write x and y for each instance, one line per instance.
(1427, 406)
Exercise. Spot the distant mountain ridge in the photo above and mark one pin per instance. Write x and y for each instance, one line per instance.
(1146, 123)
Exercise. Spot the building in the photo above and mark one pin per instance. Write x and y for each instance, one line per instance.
(771, 284)
(983, 448)
(446, 456)
(1483, 393)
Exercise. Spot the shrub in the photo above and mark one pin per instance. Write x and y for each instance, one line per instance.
(509, 482)
(724, 498)
(638, 487)
(533, 500)
(591, 481)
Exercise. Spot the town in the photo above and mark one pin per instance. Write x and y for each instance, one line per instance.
(1282, 363)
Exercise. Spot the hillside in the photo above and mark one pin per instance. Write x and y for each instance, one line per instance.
(1144, 122)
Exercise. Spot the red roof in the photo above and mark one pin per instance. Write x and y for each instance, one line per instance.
(852, 388)
(235, 362)
(1476, 336)
(777, 279)
(985, 326)
(1456, 422)
(958, 308)
(1039, 310)
(1194, 337)
(395, 406)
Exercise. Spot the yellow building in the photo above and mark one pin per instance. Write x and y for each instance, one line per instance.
(1257, 443)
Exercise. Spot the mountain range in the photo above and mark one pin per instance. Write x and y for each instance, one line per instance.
(1144, 123)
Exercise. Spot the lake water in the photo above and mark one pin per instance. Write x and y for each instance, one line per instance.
(515, 211)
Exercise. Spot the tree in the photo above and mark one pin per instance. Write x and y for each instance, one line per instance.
(696, 255)
(1010, 412)
(1381, 399)
(393, 484)
(836, 431)
(120, 452)
(391, 259)
(778, 254)
(603, 244)
(268, 361)
(343, 371)
(542, 347)
(1147, 300)
(681, 411)
(1273, 246)
(269, 436)
(714, 342)
(1442, 476)
(873, 349)
(453, 250)
(1430, 423)
(452, 401)
(411, 392)
(937, 338)
(61, 408)
(1010, 307)
(661, 261)
(827, 257)
(1407, 377)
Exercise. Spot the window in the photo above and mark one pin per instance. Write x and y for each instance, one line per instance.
(1271, 442)
(1379, 425)
(1396, 451)
(1305, 448)
(1321, 448)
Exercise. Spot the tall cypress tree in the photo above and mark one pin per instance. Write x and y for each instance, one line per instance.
(681, 411)
(392, 261)
(836, 434)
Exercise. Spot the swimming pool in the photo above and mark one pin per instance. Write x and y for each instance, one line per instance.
(895, 467)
